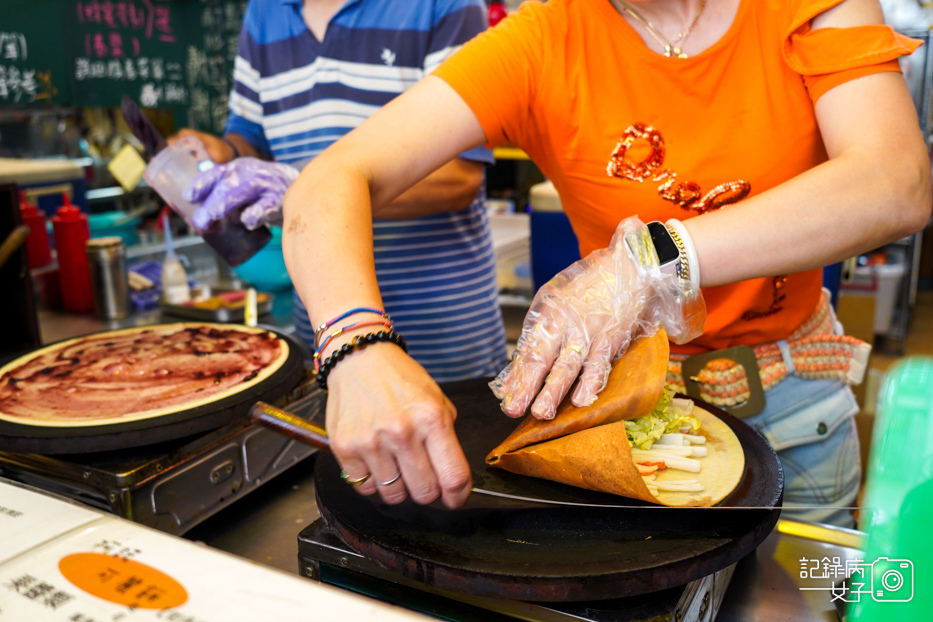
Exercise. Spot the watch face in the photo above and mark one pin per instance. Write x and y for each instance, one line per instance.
(663, 243)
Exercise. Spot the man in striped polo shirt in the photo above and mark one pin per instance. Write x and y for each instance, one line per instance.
(308, 72)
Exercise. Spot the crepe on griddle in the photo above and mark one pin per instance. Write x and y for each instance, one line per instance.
(137, 373)
(587, 446)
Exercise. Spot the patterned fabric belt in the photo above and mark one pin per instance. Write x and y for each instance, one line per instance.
(815, 353)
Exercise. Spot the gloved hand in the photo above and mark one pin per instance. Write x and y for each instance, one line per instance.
(253, 185)
(586, 316)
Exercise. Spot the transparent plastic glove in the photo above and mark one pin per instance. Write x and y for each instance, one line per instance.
(586, 316)
(253, 185)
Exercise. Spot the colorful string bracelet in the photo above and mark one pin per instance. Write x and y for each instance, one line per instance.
(320, 330)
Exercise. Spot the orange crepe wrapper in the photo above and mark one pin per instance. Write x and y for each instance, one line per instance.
(633, 389)
(588, 447)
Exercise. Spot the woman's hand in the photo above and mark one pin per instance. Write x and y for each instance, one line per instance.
(253, 185)
(586, 316)
(220, 150)
(386, 417)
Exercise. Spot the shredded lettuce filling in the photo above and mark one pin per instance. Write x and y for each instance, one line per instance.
(670, 415)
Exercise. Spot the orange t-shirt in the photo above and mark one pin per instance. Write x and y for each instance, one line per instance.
(564, 80)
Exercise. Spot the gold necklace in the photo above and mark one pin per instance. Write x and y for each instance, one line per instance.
(670, 48)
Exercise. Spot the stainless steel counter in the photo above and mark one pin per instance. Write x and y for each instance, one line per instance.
(57, 325)
(768, 586)
(202, 265)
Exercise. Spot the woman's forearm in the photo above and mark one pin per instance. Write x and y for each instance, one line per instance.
(327, 240)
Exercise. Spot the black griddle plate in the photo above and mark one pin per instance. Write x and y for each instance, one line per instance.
(184, 423)
(552, 553)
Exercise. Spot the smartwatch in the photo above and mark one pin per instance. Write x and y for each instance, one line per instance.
(669, 255)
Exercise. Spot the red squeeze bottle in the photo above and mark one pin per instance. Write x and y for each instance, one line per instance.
(496, 12)
(37, 244)
(72, 231)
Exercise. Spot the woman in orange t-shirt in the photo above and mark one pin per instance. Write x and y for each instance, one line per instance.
(770, 138)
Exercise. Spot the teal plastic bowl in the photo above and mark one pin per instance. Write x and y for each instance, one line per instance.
(102, 225)
(266, 269)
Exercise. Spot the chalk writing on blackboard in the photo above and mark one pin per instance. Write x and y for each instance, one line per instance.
(160, 82)
(13, 46)
(210, 63)
(131, 43)
(149, 19)
(17, 85)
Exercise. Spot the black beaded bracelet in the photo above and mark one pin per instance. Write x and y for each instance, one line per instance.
(357, 343)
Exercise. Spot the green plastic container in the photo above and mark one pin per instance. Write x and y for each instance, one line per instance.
(266, 269)
(103, 225)
(898, 564)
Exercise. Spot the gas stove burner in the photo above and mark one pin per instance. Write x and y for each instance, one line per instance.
(325, 557)
(175, 484)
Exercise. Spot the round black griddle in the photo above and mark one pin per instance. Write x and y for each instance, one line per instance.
(516, 550)
(90, 439)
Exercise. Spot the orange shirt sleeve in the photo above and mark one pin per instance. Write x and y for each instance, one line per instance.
(496, 73)
(828, 57)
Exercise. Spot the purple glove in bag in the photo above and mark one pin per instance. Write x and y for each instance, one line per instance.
(257, 187)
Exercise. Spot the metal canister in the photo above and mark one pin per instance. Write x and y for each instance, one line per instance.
(107, 262)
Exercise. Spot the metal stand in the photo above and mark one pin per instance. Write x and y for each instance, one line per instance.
(322, 556)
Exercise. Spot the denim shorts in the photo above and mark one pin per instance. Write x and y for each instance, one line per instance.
(811, 426)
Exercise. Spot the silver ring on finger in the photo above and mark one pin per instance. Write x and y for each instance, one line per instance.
(391, 481)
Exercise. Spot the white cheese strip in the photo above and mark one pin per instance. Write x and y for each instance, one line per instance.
(696, 439)
(675, 438)
(671, 461)
(672, 450)
(679, 450)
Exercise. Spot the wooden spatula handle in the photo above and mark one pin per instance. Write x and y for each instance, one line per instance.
(290, 425)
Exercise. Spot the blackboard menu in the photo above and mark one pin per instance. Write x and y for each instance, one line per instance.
(170, 54)
(130, 47)
(33, 65)
(215, 27)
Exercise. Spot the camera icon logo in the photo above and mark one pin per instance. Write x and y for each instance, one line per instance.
(892, 580)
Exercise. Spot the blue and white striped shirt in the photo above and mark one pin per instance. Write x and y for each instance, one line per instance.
(294, 96)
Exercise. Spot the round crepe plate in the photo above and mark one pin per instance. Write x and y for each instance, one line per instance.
(170, 426)
(532, 552)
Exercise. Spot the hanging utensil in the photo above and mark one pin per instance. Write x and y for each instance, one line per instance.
(142, 127)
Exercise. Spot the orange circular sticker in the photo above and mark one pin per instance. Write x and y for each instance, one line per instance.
(122, 581)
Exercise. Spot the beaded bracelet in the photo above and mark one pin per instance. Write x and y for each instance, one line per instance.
(320, 329)
(317, 353)
(357, 343)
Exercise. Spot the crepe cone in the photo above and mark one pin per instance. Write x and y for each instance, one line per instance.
(588, 447)
(633, 389)
(600, 459)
